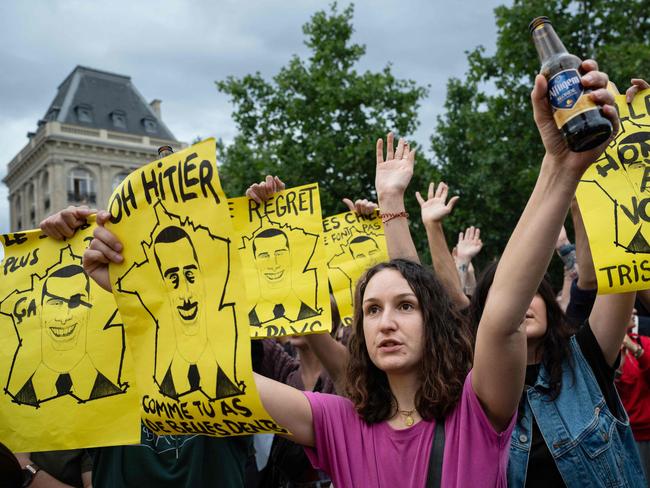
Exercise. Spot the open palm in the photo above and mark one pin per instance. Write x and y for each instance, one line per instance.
(436, 207)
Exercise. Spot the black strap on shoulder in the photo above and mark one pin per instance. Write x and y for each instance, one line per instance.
(434, 475)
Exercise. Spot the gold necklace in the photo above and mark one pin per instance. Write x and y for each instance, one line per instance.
(408, 416)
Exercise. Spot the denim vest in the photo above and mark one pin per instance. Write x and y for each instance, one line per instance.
(590, 446)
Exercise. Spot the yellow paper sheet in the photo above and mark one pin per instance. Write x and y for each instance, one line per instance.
(67, 378)
(284, 261)
(178, 293)
(353, 243)
(614, 198)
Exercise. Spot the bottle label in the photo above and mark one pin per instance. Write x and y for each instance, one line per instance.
(566, 95)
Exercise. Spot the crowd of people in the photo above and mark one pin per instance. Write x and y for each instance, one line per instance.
(447, 377)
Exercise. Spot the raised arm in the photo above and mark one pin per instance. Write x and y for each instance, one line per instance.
(567, 253)
(609, 320)
(584, 261)
(501, 338)
(391, 179)
(469, 245)
(433, 211)
(289, 408)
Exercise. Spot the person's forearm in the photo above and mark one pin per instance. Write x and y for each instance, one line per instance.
(586, 271)
(468, 280)
(42, 479)
(500, 351)
(398, 235)
(566, 290)
(609, 320)
(444, 265)
(531, 246)
(333, 356)
(288, 407)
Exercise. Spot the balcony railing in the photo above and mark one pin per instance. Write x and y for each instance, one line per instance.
(82, 197)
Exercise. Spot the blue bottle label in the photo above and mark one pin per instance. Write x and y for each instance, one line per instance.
(565, 89)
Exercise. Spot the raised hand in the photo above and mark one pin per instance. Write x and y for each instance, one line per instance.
(637, 85)
(104, 248)
(469, 245)
(262, 191)
(64, 223)
(554, 143)
(361, 207)
(436, 207)
(393, 173)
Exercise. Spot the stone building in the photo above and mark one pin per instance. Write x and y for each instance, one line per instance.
(96, 131)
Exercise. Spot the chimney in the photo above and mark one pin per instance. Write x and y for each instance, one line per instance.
(155, 106)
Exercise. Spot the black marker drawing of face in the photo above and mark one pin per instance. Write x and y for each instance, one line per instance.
(365, 251)
(65, 307)
(179, 268)
(273, 260)
(634, 155)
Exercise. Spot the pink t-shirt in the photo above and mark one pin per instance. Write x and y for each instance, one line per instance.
(357, 454)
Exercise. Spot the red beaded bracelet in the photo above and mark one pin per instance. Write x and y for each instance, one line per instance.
(387, 216)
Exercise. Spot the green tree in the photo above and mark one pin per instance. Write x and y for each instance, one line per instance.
(318, 119)
(486, 143)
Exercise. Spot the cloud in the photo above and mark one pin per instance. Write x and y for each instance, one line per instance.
(175, 50)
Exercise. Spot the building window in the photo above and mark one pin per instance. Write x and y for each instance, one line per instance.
(81, 187)
(53, 112)
(118, 117)
(32, 204)
(118, 178)
(19, 211)
(149, 125)
(84, 113)
(45, 186)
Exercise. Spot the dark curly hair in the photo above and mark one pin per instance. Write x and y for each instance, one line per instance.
(447, 355)
(555, 345)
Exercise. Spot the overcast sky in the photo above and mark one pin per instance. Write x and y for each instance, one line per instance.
(175, 50)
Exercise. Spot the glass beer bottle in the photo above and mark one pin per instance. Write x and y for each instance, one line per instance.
(581, 121)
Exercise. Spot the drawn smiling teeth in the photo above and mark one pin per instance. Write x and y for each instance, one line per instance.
(63, 332)
(188, 311)
(274, 276)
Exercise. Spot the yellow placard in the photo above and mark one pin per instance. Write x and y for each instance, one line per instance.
(178, 293)
(284, 262)
(614, 199)
(354, 243)
(67, 377)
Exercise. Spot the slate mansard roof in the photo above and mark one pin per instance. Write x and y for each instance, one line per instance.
(103, 100)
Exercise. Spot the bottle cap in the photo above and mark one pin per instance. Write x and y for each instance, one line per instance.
(538, 22)
(165, 150)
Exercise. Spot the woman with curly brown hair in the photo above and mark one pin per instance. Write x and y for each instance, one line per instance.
(409, 378)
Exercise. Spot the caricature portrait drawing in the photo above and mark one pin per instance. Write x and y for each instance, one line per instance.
(365, 252)
(193, 366)
(272, 254)
(65, 367)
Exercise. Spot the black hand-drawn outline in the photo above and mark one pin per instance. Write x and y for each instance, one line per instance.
(193, 366)
(632, 206)
(61, 301)
(271, 250)
(365, 253)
